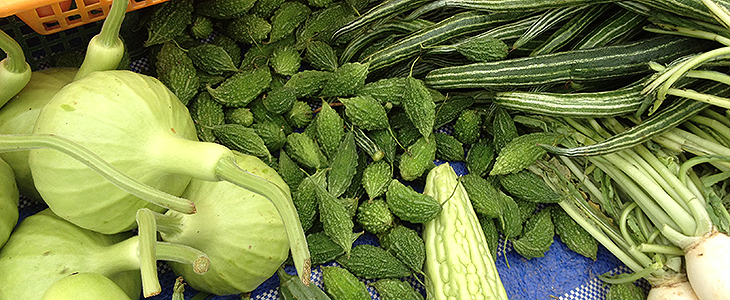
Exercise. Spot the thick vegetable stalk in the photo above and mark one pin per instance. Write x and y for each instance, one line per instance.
(665, 277)
(458, 263)
(665, 82)
(96, 164)
(45, 248)
(667, 199)
(106, 49)
(14, 70)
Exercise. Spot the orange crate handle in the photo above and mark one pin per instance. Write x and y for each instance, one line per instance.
(50, 16)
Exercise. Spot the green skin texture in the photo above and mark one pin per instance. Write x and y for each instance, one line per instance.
(8, 202)
(85, 286)
(135, 123)
(19, 115)
(448, 267)
(44, 249)
(240, 231)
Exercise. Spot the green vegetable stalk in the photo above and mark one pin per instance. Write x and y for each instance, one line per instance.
(14, 70)
(106, 49)
(45, 248)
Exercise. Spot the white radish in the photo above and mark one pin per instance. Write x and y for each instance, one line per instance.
(674, 288)
(708, 266)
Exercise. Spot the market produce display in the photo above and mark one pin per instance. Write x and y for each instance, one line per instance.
(403, 149)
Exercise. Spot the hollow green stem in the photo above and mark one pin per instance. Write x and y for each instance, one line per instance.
(677, 238)
(633, 277)
(689, 199)
(709, 75)
(644, 224)
(147, 252)
(683, 219)
(228, 170)
(714, 124)
(682, 68)
(699, 132)
(694, 95)
(14, 70)
(655, 234)
(623, 223)
(99, 165)
(599, 222)
(718, 12)
(656, 171)
(710, 147)
(712, 114)
(601, 237)
(168, 224)
(106, 49)
(184, 255)
(664, 249)
(582, 178)
(649, 207)
(696, 161)
(684, 31)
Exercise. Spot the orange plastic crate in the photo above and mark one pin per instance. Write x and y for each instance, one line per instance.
(50, 16)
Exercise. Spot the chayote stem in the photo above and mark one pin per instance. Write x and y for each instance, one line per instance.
(228, 170)
(106, 49)
(184, 255)
(22, 142)
(14, 70)
(147, 231)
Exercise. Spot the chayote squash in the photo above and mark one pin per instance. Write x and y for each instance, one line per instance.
(8, 202)
(45, 248)
(135, 123)
(20, 113)
(130, 114)
(85, 286)
(240, 231)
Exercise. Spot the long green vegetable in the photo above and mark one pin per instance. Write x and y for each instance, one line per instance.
(601, 63)
(670, 117)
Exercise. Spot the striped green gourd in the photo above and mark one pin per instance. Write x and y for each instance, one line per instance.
(546, 21)
(611, 28)
(617, 102)
(670, 117)
(576, 65)
(519, 5)
(570, 30)
(455, 26)
(393, 27)
(382, 10)
(508, 31)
